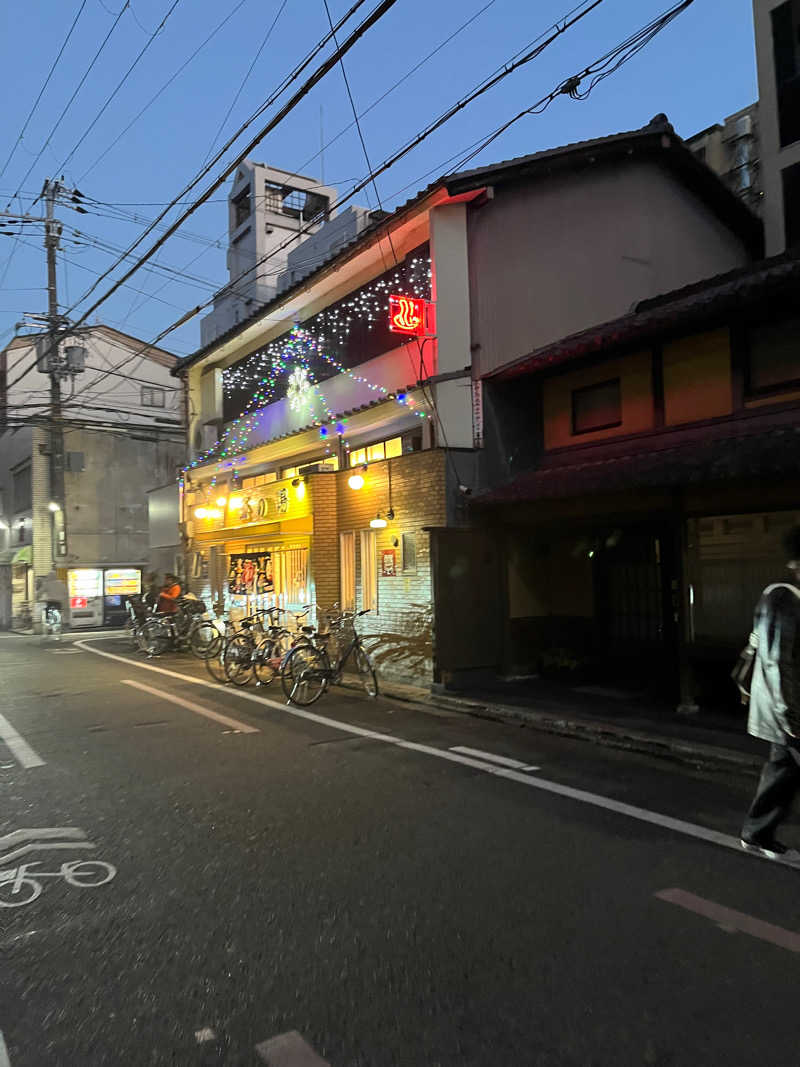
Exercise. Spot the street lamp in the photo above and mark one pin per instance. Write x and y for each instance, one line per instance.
(54, 507)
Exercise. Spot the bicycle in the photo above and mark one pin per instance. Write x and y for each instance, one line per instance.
(18, 882)
(244, 656)
(308, 670)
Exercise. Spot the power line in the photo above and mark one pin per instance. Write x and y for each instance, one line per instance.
(206, 168)
(68, 104)
(160, 91)
(45, 83)
(119, 85)
(244, 80)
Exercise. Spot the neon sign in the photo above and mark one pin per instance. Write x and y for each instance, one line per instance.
(407, 315)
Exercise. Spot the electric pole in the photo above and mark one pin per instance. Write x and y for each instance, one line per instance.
(52, 235)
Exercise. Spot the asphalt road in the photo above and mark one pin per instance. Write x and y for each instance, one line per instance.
(351, 878)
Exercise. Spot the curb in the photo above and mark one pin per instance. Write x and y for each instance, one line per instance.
(610, 735)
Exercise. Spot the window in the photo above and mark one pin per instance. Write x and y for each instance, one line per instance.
(241, 208)
(21, 533)
(347, 571)
(596, 407)
(773, 356)
(409, 553)
(22, 488)
(380, 450)
(786, 50)
(700, 153)
(369, 570)
(153, 397)
(790, 178)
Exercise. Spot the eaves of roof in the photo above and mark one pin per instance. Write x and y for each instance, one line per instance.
(657, 139)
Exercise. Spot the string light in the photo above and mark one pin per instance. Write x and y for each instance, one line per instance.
(296, 355)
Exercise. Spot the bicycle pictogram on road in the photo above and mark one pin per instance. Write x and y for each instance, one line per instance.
(22, 884)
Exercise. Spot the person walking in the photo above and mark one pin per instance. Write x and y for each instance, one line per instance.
(774, 714)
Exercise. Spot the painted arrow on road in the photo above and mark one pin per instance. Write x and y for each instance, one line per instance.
(40, 839)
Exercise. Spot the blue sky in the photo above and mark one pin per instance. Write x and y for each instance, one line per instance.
(698, 70)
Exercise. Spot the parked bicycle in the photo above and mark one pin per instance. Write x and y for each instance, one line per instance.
(161, 631)
(310, 668)
(22, 885)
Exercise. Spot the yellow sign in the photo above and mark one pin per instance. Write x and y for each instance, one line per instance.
(124, 582)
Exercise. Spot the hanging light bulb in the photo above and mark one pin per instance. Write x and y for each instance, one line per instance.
(378, 523)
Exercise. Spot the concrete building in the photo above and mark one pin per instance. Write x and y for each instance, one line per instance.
(123, 434)
(347, 452)
(777, 30)
(733, 150)
(268, 212)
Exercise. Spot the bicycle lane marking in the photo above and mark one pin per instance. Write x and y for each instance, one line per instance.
(18, 746)
(198, 709)
(4, 1060)
(667, 822)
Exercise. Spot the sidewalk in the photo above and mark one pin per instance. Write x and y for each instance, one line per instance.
(705, 740)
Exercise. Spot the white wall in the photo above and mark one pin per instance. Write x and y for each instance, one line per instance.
(560, 255)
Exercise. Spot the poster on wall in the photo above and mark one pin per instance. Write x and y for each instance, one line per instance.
(250, 574)
(388, 563)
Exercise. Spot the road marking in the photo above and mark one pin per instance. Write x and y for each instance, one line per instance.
(4, 1060)
(30, 840)
(504, 761)
(206, 1034)
(689, 829)
(198, 709)
(731, 920)
(289, 1050)
(64, 651)
(18, 746)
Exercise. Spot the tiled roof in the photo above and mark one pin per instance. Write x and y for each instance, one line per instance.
(731, 451)
(704, 303)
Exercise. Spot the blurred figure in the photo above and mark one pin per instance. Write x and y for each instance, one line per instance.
(170, 594)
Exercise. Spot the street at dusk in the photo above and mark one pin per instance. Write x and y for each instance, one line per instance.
(399, 533)
(392, 906)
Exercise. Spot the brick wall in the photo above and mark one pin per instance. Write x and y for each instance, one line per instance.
(399, 635)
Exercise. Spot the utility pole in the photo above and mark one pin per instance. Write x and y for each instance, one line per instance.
(52, 236)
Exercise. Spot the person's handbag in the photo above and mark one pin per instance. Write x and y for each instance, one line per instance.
(742, 673)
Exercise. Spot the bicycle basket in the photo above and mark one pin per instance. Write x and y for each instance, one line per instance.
(192, 606)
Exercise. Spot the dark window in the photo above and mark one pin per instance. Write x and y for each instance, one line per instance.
(74, 462)
(596, 407)
(773, 356)
(241, 208)
(152, 397)
(790, 178)
(700, 153)
(21, 533)
(786, 50)
(22, 488)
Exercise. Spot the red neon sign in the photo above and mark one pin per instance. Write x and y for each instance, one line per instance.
(407, 315)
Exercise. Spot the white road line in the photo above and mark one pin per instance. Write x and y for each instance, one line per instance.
(582, 796)
(732, 920)
(198, 709)
(15, 855)
(18, 746)
(4, 1060)
(504, 761)
(206, 1034)
(42, 833)
(289, 1050)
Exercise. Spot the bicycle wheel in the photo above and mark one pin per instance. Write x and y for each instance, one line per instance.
(238, 659)
(366, 671)
(304, 675)
(267, 660)
(205, 640)
(215, 665)
(28, 891)
(86, 873)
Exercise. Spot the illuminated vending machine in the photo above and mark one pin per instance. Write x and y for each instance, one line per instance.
(119, 584)
(85, 586)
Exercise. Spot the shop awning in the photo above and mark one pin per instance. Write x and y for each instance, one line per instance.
(665, 461)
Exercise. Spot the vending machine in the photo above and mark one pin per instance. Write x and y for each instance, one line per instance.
(85, 587)
(119, 584)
